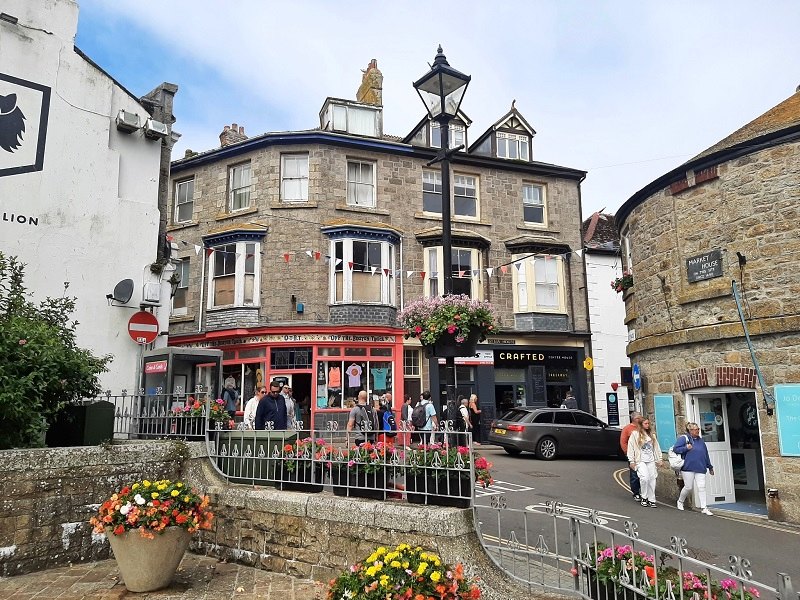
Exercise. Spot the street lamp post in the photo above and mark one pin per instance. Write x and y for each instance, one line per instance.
(441, 90)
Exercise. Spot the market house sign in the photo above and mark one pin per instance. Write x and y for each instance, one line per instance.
(705, 266)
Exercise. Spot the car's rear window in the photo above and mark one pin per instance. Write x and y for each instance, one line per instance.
(515, 415)
(545, 417)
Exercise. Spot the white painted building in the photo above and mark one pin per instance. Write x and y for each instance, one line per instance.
(80, 197)
(606, 315)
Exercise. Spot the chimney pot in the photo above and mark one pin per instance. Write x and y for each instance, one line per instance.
(232, 134)
(241, 129)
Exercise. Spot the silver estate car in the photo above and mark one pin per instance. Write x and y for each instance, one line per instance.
(552, 432)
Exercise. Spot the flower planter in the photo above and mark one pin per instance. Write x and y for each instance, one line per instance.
(300, 478)
(148, 564)
(451, 490)
(446, 345)
(347, 482)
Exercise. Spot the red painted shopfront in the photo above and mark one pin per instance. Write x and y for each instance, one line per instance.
(326, 367)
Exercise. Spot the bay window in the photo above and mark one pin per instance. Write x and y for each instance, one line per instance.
(466, 272)
(234, 275)
(362, 271)
(539, 284)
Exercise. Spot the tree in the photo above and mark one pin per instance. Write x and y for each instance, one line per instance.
(42, 369)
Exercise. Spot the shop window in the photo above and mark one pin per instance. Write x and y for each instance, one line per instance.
(363, 272)
(411, 362)
(290, 358)
(338, 381)
(234, 275)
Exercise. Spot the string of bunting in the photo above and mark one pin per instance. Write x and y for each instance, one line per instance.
(317, 255)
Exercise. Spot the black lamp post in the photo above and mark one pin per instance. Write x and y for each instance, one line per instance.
(441, 90)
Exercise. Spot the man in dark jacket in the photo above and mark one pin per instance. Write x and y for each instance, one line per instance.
(272, 407)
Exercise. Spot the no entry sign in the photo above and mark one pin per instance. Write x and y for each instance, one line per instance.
(143, 327)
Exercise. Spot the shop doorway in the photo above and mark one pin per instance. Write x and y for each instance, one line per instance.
(729, 426)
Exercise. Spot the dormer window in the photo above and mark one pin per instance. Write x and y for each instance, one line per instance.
(458, 135)
(351, 117)
(510, 145)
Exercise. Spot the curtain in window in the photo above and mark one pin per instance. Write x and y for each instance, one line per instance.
(361, 121)
(546, 282)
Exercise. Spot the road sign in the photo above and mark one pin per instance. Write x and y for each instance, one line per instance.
(143, 327)
(588, 364)
(636, 375)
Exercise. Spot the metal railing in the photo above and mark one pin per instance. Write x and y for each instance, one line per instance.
(567, 550)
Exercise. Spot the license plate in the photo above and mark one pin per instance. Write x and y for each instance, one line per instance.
(500, 431)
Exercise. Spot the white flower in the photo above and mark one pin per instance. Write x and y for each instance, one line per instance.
(347, 594)
(125, 509)
(139, 500)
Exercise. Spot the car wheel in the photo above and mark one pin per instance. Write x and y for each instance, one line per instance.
(546, 449)
(513, 451)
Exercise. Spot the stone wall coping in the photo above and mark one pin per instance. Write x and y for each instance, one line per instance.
(27, 459)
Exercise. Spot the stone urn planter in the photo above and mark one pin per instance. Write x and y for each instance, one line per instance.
(148, 564)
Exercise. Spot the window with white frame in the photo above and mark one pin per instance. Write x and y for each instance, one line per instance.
(412, 365)
(539, 284)
(457, 137)
(626, 250)
(466, 272)
(360, 183)
(362, 272)
(511, 145)
(432, 191)
(465, 196)
(179, 298)
(294, 177)
(239, 186)
(353, 119)
(184, 201)
(234, 275)
(533, 204)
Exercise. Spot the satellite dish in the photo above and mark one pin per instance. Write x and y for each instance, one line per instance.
(123, 291)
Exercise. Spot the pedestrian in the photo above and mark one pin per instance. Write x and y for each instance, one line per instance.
(569, 400)
(405, 411)
(252, 406)
(695, 464)
(272, 409)
(475, 419)
(424, 419)
(231, 396)
(363, 420)
(296, 414)
(636, 488)
(388, 425)
(464, 423)
(644, 455)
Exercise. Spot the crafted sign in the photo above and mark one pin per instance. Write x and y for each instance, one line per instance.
(143, 327)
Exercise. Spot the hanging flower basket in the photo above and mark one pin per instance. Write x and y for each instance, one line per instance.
(448, 325)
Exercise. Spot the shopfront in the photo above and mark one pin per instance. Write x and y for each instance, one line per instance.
(325, 369)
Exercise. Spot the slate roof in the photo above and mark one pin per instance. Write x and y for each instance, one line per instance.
(785, 114)
(600, 233)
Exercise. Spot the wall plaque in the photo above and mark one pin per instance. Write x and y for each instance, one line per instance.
(705, 266)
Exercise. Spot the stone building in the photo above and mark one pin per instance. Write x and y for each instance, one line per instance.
(730, 216)
(611, 371)
(299, 248)
(83, 164)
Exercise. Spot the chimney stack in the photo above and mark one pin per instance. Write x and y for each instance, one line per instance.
(231, 134)
(371, 89)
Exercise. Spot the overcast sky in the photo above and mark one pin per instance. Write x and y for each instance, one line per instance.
(625, 90)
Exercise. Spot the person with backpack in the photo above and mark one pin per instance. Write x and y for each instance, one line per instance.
(424, 420)
(387, 421)
(231, 397)
(363, 420)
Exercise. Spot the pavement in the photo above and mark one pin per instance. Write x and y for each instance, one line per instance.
(198, 578)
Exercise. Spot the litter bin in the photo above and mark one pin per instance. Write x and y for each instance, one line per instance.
(251, 456)
(82, 425)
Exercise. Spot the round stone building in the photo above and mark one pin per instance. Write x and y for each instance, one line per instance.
(728, 218)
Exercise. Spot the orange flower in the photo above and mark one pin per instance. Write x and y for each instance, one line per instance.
(651, 574)
(119, 530)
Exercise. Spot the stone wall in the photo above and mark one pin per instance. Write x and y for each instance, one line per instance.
(688, 335)
(52, 493)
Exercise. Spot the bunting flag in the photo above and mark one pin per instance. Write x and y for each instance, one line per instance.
(309, 253)
(422, 274)
(518, 265)
(503, 269)
(386, 272)
(461, 274)
(373, 269)
(197, 249)
(249, 255)
(489, 271)
(350, 265)
(579, 253)
(209, 251)
(286, 257)
(475, 272)
(409, 274)
(184, 242)
(170, 238)
(317, 255)
(337, 262)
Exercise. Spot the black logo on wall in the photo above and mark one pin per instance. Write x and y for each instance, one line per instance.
(24, 108)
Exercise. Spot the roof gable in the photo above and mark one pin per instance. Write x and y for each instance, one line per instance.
(513, 120)
(460, 116)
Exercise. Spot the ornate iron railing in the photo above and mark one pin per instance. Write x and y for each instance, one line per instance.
(563, 550)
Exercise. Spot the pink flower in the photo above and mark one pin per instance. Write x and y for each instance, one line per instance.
(220, 401)
(417, 329)
(574, 571)
(451, 329)
(23, 342)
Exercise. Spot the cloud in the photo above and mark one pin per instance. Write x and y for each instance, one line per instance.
(626, 89)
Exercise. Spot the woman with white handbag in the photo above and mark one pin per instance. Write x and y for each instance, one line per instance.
(695, 464)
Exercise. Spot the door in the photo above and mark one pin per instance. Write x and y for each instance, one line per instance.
(711, 413)
(594, 434)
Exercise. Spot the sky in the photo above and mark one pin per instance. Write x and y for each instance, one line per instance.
(626, 90)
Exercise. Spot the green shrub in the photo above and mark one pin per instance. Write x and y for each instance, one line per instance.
(42, 368)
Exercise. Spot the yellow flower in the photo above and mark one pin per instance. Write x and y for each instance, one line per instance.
(380, 551)
(154, 495)
(402, 547)
(135, 486)
(436, 576)
(371, 571)
(179, 484)
(372, 558)
(395, 564)
(162, 487)
(186, 498)
(174, 493)
(405, 564)
(384, 581)
(421, 568)
(146, 483)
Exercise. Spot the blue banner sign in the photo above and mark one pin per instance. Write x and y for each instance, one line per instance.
(665, 421)
(787, 415)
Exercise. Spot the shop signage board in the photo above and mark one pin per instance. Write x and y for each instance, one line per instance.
(481, 358)
(787, 416)
(704, 266)
(612, 408)
(525, 356)
(156, 366)
(665, 420)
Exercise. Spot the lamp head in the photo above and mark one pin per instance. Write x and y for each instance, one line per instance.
(442, 88)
